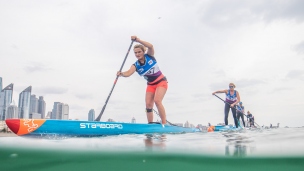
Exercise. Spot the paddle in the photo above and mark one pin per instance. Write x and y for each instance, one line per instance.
(234, 107)
(104, 107)
(166, 120)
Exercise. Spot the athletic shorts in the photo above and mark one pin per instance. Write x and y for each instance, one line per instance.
(152, 88)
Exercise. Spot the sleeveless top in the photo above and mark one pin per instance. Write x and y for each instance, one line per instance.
(240, 108)
(149, 70)
(231, 98)
(250, 116)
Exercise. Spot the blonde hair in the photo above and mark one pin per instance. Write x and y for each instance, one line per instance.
(142, 47)
(232, 84)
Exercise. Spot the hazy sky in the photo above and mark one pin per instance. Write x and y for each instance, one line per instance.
(70, 50)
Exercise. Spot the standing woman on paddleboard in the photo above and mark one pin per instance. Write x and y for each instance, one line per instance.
(232, 98)
(157, 85)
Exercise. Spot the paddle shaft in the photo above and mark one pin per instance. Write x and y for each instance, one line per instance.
(233, 107)
(123, 63)
(166, 120)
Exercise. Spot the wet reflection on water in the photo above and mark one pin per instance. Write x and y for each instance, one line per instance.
(155, 142)
(230, 143)
(238, 144)
(234, 143)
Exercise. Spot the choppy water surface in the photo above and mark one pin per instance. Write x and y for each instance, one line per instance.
(270, 148)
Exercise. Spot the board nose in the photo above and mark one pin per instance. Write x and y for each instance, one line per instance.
(13, 124)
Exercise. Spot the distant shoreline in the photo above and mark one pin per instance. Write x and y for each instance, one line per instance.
(3, 134)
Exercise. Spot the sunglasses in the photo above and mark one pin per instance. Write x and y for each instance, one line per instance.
(231, 86)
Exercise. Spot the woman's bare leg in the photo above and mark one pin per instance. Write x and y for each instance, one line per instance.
(149, 105)
(158, 98)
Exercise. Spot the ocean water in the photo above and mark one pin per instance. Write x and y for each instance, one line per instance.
(259, 149)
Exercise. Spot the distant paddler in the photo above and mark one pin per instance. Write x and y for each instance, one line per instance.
(147, 66)
(250, 117)
(232, 98)
(240, 112)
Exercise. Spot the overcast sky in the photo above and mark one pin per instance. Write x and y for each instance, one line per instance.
(70, 50)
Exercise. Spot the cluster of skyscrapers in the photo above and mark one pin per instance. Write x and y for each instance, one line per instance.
(29, 106)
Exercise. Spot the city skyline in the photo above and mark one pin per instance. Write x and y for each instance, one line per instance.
(91, 114)
(28, 107)
(60, 110)
(30, 104)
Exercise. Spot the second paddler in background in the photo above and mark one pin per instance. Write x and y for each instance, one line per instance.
(232, 98)
(240, 112)
(250, 118)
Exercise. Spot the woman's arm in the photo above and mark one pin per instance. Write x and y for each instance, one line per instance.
(127, 73)
(150, 47)
(220, 91)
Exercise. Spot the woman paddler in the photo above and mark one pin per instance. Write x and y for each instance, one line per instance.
(157, 85)
(232, 98)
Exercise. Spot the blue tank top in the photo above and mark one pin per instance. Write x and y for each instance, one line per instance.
(240, 108)
(231, 98)
(149, 70)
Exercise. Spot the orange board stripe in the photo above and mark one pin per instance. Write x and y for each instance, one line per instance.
(29, 125)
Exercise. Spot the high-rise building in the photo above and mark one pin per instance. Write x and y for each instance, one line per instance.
(187, 124)
(6, 96)
(0, 83)
(60, 111)
(12, 111)
(41, 107)
(24, 103)
(55, 110)
(65, 111)
(91, 115)
(133, 120)
(34, 104)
